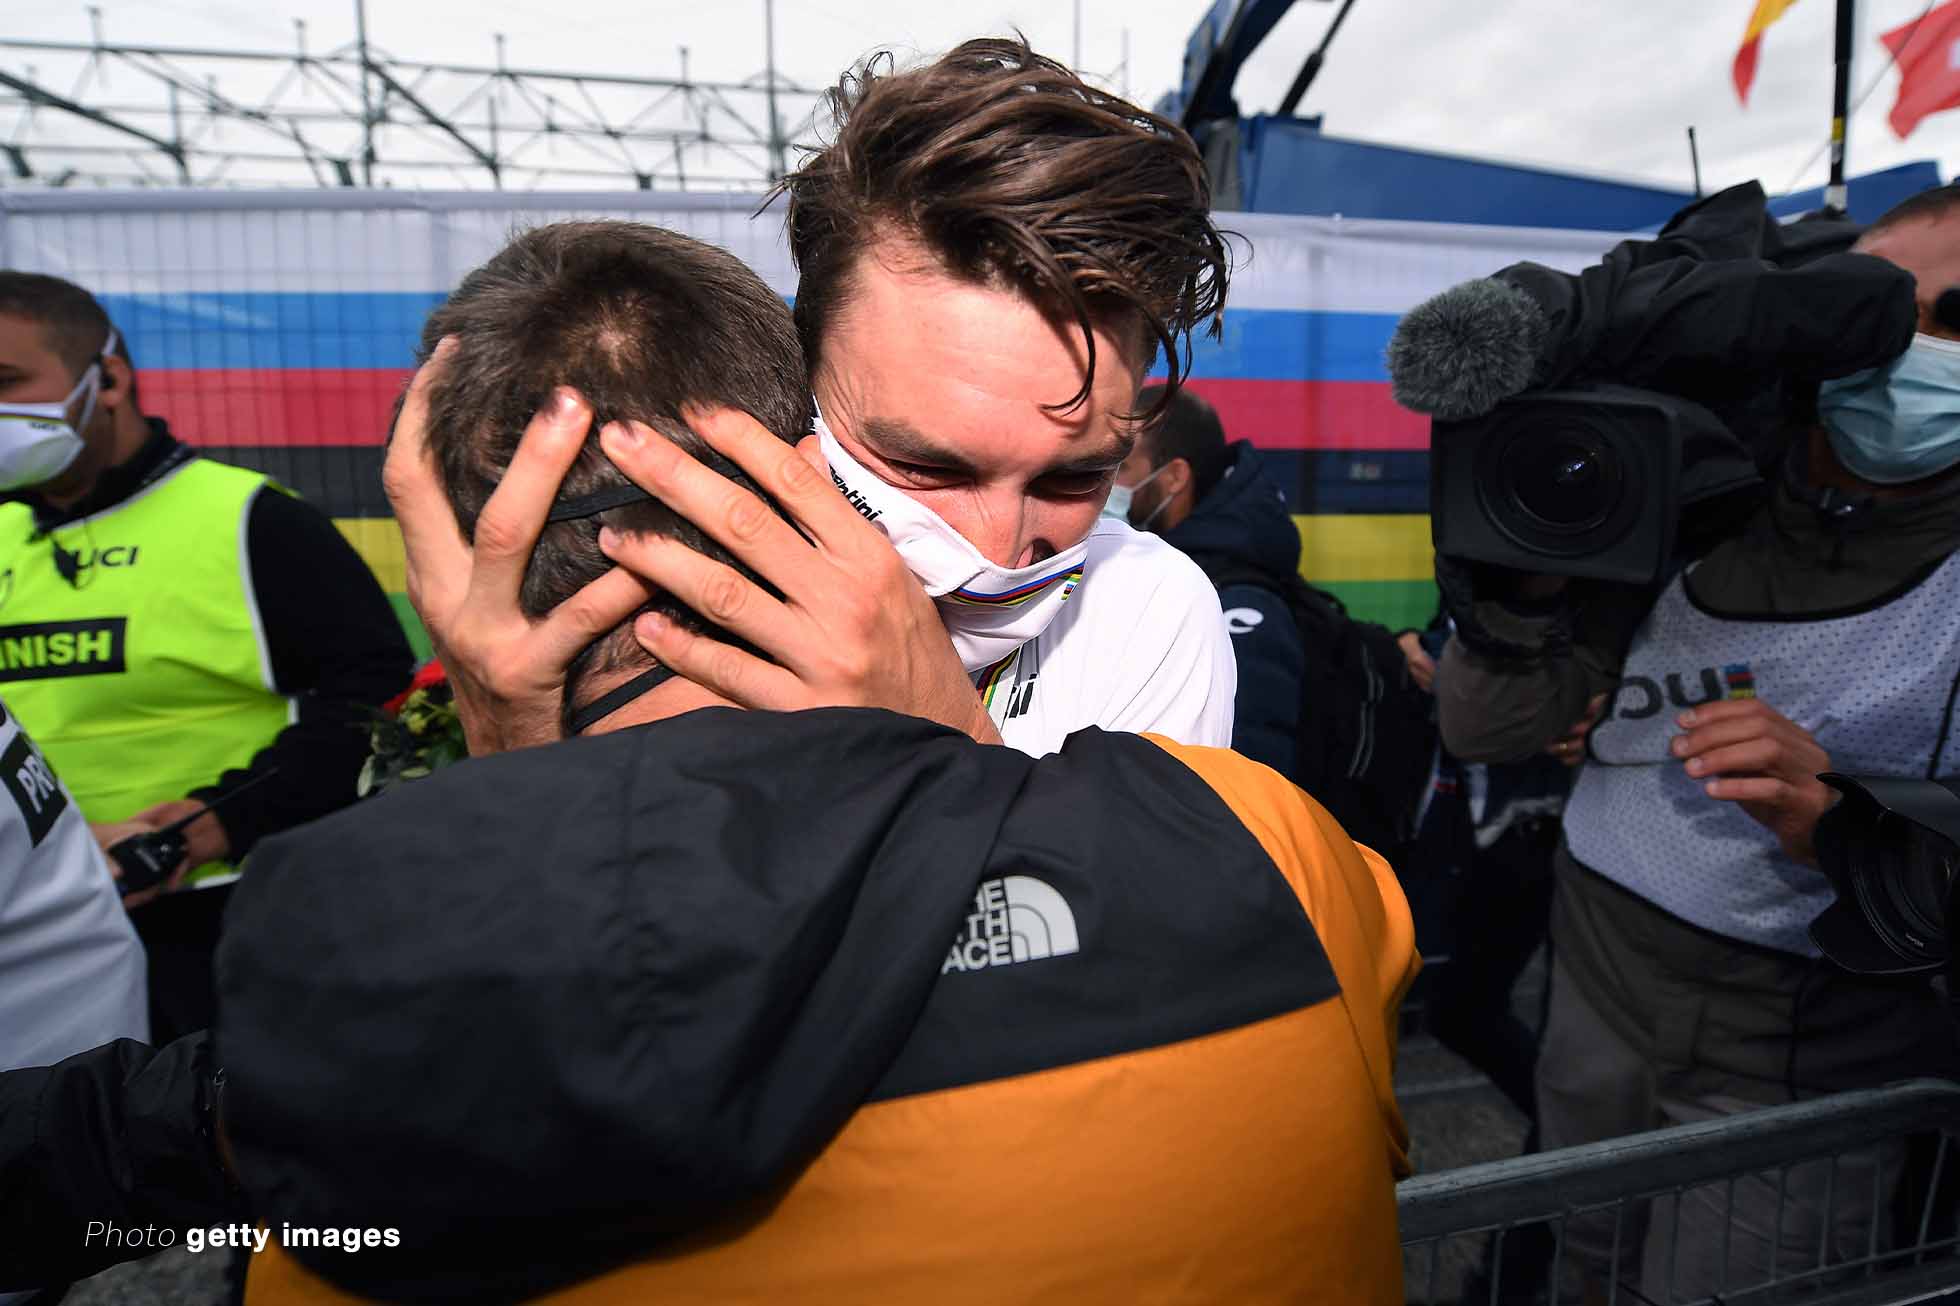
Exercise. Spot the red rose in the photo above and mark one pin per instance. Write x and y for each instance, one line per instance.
(428, 675)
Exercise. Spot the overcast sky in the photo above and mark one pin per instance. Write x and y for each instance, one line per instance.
(1602, 86)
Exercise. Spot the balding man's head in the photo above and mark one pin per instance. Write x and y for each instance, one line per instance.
(643, 323)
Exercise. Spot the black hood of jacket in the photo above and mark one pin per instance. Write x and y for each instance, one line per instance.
(1244, 521)
(1817, 549)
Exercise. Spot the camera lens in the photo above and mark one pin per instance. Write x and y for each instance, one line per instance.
(1561, 478)
(1913, 876)
(1564, 481)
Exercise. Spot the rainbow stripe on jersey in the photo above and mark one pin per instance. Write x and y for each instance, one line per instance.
(989, 680)
(1020, 594)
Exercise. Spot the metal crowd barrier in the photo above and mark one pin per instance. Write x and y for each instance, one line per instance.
(1463, 1219)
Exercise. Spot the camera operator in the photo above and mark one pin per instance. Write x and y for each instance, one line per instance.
(1816, 633)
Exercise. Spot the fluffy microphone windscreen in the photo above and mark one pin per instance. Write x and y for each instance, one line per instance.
(1461, 353)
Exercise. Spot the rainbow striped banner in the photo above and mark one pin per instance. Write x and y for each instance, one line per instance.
(276, 329)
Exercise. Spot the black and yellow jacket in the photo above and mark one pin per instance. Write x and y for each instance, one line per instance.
(829, 1006)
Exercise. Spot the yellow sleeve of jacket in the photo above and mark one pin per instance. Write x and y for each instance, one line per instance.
(1350, 894)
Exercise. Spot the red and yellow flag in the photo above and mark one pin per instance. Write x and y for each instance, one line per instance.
(1767, 12)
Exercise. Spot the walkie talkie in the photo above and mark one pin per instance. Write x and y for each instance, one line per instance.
(148, 859)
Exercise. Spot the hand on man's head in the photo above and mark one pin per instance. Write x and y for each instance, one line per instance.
(508, 671)
(852, 628)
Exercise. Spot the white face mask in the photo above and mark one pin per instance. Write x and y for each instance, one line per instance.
(988, 610)
(37, 443)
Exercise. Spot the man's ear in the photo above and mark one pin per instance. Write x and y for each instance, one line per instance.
(1178, 477)
(118, 382)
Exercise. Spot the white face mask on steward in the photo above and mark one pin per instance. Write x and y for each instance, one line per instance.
(989, 610)
(37, 443)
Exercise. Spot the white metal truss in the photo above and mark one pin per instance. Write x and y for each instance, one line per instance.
(150, 115)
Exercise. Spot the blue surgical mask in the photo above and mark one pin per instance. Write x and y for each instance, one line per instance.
(1122, 496)
(1900, 422)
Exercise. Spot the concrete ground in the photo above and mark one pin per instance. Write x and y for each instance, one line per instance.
(1456, 1118)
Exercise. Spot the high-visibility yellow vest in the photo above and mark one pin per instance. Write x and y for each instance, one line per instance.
(147, 675)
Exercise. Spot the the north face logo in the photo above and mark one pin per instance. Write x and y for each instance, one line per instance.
(1015, 918)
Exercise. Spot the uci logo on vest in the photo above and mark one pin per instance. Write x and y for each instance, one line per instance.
(73, 564)
(116, 555)
(1640, 697)
(44, 650)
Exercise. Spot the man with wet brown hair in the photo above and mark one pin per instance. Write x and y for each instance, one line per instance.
(1006, 170)
(993, 252)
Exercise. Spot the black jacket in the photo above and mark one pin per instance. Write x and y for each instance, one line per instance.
(543, 1010)
(1241, 531)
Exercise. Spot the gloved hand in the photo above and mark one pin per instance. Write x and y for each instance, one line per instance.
(1505, 615)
